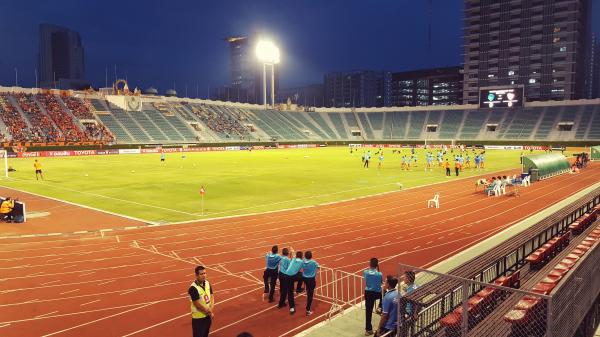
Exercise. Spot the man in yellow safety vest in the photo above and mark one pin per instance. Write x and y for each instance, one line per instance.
(202, 303)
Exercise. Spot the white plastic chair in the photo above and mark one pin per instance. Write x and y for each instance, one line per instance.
(435, 201)
(495, 191)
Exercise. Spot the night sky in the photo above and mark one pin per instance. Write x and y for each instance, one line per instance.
(160, 42)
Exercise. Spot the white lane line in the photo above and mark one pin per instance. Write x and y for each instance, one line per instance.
(107, 282)
(46, 314)
(157, 324)
(339, 258)
(163, 282)
(71, 266)
(90, 273)
(254, 277)
(97, 320)
(187, 314)
(127, 292)
(55, 281)
(4, 325)
(70, 291)
(81, 305)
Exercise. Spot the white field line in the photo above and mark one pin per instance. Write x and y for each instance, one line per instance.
(75, 204)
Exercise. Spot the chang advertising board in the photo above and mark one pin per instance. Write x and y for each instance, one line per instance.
(501, 98)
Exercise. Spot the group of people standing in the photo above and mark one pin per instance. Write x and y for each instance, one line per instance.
(386, 292)
(290, 267)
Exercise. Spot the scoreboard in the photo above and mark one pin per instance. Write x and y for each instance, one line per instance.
(501, 97)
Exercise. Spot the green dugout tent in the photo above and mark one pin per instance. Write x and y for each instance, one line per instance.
(545, 165)
(595, 155)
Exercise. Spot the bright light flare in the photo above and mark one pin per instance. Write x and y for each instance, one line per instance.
(267, 52)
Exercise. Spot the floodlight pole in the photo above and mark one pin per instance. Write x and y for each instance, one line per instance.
(273, 85)
(265, 85)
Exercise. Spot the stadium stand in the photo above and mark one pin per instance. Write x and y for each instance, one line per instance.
(451, 124)
(43, 129)
(49, 117)
(61, 118)
(336, 119)
(366, 127)
(15, 123)
(416, 125)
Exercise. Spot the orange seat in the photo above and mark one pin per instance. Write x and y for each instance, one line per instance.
(451, 320)
(561, 269)
(543, 288)
(502, 280)
(567, 262)
(555, 273)
(573, 257)
(487, 293)
(585, 248)
(527, 303)
(578, 252)
(551, 279)
(516, 316)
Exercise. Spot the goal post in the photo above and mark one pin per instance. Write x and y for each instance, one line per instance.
(4, 162)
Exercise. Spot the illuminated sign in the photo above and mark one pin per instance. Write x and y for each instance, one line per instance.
(501, 98)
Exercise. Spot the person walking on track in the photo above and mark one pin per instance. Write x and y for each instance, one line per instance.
(287, 285)
(309, 274)
(202, 303)
(270, 274)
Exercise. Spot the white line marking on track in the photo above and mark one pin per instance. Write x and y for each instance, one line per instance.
(4, 325)
(339, 258)
(70, 291)
(127, 292)
(90, 273)
(55, 281)
(46, 314)
(107, 282)
(187, 314)
(97, 320)
(81, 305)
(163, 282)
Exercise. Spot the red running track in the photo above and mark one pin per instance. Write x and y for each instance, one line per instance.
(134, 283)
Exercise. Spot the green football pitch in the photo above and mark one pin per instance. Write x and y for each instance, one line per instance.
(236, 183)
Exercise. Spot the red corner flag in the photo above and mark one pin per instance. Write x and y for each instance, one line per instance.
(202, 190)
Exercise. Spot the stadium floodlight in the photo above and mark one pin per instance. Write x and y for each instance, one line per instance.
(268, 53)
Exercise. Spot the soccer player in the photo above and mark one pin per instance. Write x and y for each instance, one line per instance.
(380, 160)
(38, 170)
(163, 156)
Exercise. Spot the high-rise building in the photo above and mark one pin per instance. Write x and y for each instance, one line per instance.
(439, 86)
(539, 44)
(363, 88)
(246, 72)
(61, 58)
(592, 88)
